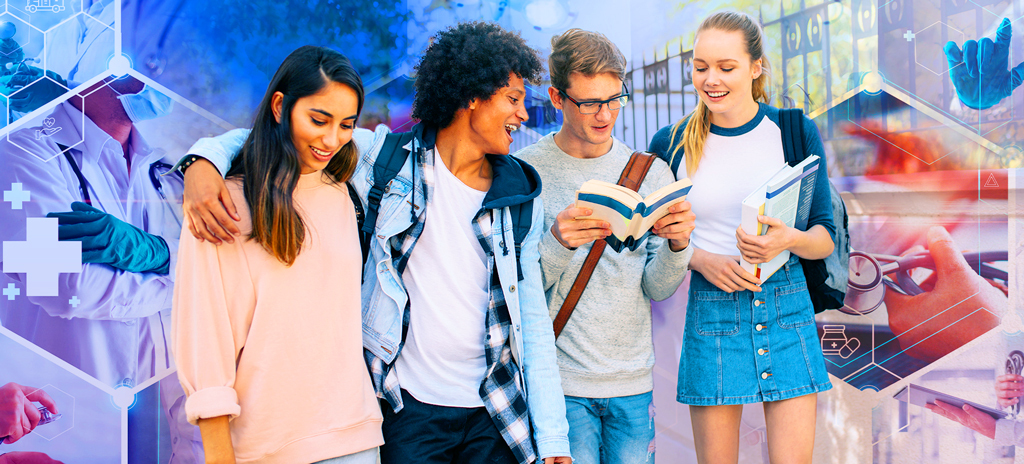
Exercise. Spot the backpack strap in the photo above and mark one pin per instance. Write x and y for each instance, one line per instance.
(389, 162)
(364, 239)
(632, 176)
(792, 126)
(522, 220)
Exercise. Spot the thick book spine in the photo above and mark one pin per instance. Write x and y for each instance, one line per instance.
(803, 211)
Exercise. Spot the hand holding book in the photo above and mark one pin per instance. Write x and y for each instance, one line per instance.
(773, 216)
(574, 226)
(676, 226)
(631, 218)
(757, 249)
(572, 232)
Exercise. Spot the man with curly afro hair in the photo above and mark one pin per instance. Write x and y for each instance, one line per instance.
(471, 61)
(457, 333)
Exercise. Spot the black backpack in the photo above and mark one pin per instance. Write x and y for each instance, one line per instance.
(827, 278)
(389, 162)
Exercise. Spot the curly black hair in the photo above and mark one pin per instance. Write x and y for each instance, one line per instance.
(467, 61)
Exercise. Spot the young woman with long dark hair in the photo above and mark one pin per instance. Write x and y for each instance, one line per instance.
(267, 330)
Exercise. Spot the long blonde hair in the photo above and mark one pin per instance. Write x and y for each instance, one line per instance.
(696, 131)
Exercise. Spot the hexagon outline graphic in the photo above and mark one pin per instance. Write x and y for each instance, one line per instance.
(937, 73)
(21, 46)
(96, 31)
(71, 8)
(40, 134)
(39, 431)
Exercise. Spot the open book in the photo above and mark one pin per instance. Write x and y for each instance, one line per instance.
(630, 215)
(786, 196)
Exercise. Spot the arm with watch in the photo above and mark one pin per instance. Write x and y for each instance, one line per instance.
(209, 211)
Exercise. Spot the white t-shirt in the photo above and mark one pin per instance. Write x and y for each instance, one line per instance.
(443, 360)
(735, 161)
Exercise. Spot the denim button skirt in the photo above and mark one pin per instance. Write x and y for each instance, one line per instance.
(746, 347)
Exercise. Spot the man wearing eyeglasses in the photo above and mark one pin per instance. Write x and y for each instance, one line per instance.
(605, 352)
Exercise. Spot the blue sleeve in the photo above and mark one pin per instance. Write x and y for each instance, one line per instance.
(664, 145)
(220, 150)
(661, 142)
(821, 204)
(544, 397)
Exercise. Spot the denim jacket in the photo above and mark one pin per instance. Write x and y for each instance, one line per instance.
(384, 296)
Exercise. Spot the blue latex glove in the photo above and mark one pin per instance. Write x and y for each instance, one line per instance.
(39, 91)
(109, 240)
(980, 72)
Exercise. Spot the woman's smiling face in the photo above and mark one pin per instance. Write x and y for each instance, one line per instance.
(321, 124)
(723, 75)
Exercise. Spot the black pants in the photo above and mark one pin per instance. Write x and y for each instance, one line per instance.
(429, 434)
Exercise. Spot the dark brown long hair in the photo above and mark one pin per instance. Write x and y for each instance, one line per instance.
(268, 163)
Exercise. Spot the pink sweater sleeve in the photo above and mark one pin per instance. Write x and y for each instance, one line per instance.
(212, 310)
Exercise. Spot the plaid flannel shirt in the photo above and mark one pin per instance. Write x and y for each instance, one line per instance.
(501, 388)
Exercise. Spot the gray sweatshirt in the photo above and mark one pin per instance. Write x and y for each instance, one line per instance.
(606, 349)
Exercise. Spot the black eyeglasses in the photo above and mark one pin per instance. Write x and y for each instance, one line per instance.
(593, 107)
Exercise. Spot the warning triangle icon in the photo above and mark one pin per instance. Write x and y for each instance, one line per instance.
(991, 182)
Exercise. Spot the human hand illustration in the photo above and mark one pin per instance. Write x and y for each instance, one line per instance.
(1009, 389)
(967, 416)
(18, 416)
(958, 305)
(980, 72)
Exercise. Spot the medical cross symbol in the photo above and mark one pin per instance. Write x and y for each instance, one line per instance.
(834, 344)
(16, 195)
(74, 301)
(42, 258)
(909, 35)
(11, 291)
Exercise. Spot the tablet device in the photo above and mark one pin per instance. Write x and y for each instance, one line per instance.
(920, 396)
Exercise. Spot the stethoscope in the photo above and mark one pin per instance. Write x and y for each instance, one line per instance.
(157, 171)
(157, 60)
(870, 276)
(1014, 365)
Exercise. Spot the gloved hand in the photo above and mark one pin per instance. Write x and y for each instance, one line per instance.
(982, 78)
(109, 240)
(38, 92)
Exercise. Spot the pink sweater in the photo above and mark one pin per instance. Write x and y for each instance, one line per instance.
(278, 348)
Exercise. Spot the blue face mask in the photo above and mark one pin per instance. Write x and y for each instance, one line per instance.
(145, 105)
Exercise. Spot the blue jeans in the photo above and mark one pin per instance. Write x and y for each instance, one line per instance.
(611, 430)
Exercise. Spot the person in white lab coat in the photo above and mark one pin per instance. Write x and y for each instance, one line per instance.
(110, 323)
(81, 49)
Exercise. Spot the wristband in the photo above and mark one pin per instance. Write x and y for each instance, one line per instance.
(188, 162)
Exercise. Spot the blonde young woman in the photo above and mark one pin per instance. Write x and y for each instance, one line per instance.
(745, 341)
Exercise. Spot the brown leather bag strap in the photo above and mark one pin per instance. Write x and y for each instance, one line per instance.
(632, 176)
